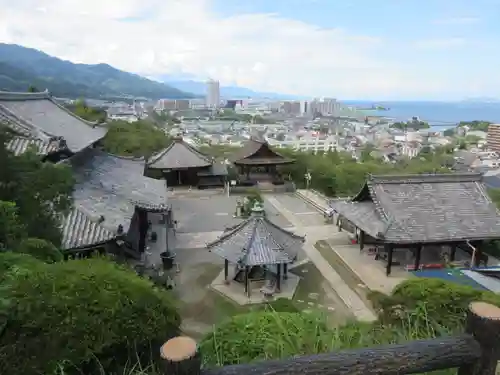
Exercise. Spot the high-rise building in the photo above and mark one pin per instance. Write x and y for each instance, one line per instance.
(213, 94)
(493, 138)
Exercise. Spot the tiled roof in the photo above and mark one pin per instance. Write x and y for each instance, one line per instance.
(423, 208)
(81, 231)
(179, 155)
(111, 187)
(37, 115)
(257, 241)
(19, 145)
(252, 147)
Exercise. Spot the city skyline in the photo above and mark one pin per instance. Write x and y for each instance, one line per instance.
(430, 50)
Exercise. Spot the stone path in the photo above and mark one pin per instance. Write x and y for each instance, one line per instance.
(314, 234)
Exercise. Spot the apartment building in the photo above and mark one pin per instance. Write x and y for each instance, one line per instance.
(493, 138)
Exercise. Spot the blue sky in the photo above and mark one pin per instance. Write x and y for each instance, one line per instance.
(355, 49)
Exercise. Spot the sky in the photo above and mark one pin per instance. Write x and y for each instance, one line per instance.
(347, 49)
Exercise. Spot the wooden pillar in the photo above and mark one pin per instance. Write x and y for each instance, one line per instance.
(247, 289)
(361, 240)
(278, 278)
(226, 269)
(180, 356)
(453, 252)
(285, 271)
(179, 181)
(142, 216)
(418, 254)
(339, 223)
(388, 249)
(483, 322)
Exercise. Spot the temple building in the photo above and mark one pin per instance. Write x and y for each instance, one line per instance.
(260, 252)
(431, 216)
(183, 165)
(113, 192)
(38, 117)
(257, 162)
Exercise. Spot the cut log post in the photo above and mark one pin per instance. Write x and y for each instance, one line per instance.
(483, 322)
(180, 356)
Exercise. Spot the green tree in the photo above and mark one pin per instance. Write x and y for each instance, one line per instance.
(11, 228)
(138, 139)
(41, 192)
(82, 110)
(39, 249)
(32, 89)
(476, 125)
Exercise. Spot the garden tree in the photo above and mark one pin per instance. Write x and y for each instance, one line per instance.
(11, 228)
(41, 193)
(32, 89)
(414, 124)
(138, 139)
(81, 109)
(476, 125)
(472, 139)
(83, 315)
(163, 118)
(39, 249)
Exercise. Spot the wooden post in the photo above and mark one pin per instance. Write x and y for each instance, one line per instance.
(226, 269)
(389, 250)
(418, 254)
(483, 322)
(361, 240)
(180, 356)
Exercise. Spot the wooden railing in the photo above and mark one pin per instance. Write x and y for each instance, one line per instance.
(475, 352)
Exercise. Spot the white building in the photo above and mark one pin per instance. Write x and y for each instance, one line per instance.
(213, 94)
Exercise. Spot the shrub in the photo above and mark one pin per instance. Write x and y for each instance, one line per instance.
(433, 300)
(10, 260)
(80, 311)
(40, 249)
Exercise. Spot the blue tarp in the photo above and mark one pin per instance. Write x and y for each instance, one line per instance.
(454, 276)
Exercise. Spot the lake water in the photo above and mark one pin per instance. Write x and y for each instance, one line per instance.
(441, 115)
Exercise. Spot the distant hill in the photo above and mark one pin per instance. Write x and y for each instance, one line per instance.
(21, 67)
(233, 92)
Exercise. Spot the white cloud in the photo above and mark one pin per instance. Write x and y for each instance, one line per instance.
(261, 51)
(457, 21)
(444, 43)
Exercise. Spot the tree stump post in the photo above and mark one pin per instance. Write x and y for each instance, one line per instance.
(483, 322)
(180, 356)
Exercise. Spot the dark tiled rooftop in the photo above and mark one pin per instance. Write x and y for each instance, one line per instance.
(423, 208)
(111, 187)
(179, 155)
(257, 241)
(37, 115)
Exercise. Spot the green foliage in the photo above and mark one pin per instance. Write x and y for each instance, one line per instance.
(40, 249)
(10, 261)
(262, 335)
(21, 67)
(476, 125)
(41, 192)
(80, 311)
(81, 109)
(432, 301)
(137, 139)
(11, 228)
(336, 173)
(414, 124)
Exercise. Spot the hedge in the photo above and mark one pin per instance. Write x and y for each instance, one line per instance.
(81, 311)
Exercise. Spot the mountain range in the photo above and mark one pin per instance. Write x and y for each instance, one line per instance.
(22, 67)
(228, 92)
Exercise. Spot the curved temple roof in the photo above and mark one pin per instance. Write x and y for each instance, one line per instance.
(423, 208)
(38, 115)
(257, 241)
(112, 187)
(179, 155)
